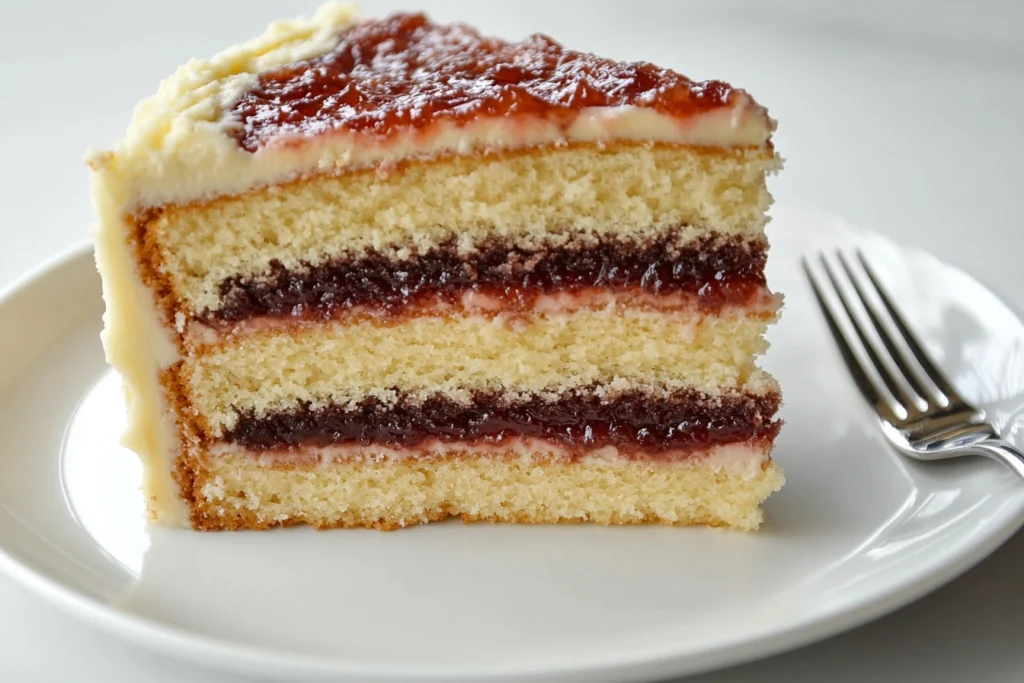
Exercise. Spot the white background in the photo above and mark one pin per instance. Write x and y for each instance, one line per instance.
(885, 109)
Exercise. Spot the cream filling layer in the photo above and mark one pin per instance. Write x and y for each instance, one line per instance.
(179, 147)
(740, 459)
(681, 305)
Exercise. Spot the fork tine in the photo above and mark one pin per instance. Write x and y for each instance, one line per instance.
(867, 386)
(934, 374)
(895, 390)
(897, 355)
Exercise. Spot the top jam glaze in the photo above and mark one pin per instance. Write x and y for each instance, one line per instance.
(404, 72)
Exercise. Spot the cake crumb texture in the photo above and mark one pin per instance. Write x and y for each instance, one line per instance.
(240, 493)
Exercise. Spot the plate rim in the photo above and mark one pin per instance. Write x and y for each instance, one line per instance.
(226, 655)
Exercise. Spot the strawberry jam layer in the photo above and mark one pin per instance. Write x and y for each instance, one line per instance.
(405, 73)
(714, 273)
(686, 420)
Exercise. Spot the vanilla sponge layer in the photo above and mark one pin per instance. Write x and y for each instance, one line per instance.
(543, 196)
(339, 363)
(238, 492)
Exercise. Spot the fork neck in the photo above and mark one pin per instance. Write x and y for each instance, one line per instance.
(1003, 451)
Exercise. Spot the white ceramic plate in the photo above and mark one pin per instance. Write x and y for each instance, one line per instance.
(855, 533)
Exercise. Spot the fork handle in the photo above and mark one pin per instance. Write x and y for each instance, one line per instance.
(1003, 451)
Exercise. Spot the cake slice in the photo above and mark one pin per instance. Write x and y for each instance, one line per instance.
(379, 272)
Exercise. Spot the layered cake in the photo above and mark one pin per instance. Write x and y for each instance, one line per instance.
(379, 272)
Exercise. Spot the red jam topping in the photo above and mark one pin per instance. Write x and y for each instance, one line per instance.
(404, 72)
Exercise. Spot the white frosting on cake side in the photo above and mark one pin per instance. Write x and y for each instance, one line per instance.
(172, 135)
(179, 146)
(139, 347)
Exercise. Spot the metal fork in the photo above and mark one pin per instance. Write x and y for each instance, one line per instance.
(919, 411)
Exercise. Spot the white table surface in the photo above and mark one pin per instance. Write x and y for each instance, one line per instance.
(933, 90)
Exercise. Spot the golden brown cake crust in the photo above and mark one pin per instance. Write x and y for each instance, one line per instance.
(249, 521)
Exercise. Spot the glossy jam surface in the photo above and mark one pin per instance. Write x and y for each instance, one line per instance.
(717, 273)
(404, 72)
(687, 420)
